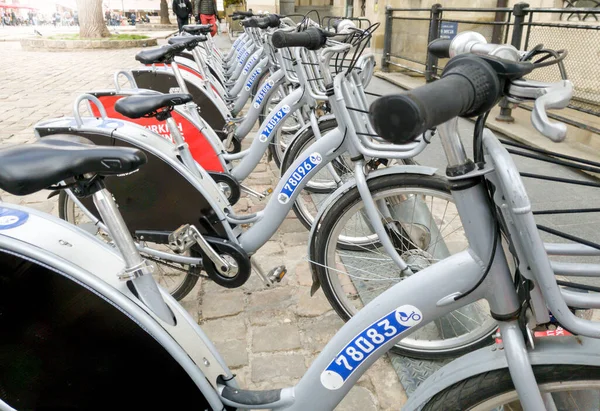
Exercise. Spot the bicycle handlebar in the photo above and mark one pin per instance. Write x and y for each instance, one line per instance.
(312, 39)
(242, 13)
(469, 87)
(272, 20)
(440, 48)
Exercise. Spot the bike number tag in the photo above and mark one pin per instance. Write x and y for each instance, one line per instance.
(366, 343)
(249, 65)
(253, 77)
(10, 218)
(297, 176)
(274, 120)
(260, 96)
(243, 57)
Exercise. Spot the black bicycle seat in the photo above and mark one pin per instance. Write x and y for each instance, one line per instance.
(188, 41)
(148, 104)
(25, 169)
(162, 54)
(197, 28)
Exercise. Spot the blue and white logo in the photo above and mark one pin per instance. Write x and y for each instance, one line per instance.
(260, 96)
(253, 77)
(366, 343)
(10, 218)
(270, 126)
(297, 176)
(249, 65)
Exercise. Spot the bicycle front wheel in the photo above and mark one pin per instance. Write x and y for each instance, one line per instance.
(422, 221)
(572, 387)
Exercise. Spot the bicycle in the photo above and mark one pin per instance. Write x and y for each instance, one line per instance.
(541, 375)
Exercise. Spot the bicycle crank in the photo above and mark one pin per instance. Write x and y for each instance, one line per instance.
(226, 263)
(237, 259)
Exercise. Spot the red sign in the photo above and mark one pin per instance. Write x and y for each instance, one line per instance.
(200, 148)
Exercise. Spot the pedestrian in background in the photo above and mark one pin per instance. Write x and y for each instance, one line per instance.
(207, 9)
(183, 11)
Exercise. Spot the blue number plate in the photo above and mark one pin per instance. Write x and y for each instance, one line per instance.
(249, 65)
(274, 119)
(366, 343)
(260, 96)
(297, 176)
(253, 77)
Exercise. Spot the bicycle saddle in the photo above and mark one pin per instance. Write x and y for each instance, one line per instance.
(148, 104)
(162, 54)
(188, 41)
(28, 168)
(197, 28)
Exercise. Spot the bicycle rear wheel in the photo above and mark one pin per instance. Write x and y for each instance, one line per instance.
(178, 279)
(425, 228)
(573, 387)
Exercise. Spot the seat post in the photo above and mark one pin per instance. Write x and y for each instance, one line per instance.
(137, 269)
(181, 146)
(179, 77)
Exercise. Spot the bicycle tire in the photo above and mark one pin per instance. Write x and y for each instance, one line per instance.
(192, 273)
(322, 237)
(297, 147)
(476, 390)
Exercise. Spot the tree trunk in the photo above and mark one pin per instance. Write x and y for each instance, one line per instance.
(91, 19)
(164, 12)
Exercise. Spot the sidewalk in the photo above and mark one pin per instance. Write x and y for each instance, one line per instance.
(10, 33)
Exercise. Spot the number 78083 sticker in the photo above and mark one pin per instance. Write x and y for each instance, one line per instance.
(366, 343)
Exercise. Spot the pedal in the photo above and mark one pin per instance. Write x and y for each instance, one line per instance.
(277, 274)
(274, 276)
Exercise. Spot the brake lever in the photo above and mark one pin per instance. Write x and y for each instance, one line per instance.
(556, 97)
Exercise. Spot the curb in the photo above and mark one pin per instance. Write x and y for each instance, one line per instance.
(62, 45)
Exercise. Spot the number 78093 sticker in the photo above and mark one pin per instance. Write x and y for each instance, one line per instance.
(366, 343)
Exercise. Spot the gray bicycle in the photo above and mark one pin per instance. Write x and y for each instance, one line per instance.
(119, 305)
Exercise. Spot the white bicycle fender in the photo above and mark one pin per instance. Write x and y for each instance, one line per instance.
(574, 350)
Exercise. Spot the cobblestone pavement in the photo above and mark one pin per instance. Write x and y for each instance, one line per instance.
(268, 337)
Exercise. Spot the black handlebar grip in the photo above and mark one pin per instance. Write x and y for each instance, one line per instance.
(312, 39)
(469, 87)
(250, 22)
(440, 48)
(272, 20)
(243, 13)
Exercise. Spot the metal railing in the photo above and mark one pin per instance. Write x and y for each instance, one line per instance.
(408, 31)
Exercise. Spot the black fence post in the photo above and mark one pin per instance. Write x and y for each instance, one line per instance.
(387, 40)
(519, 13)
(434, 32)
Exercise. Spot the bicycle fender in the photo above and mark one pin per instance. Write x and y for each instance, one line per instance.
(347, 186)
(574, 350)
